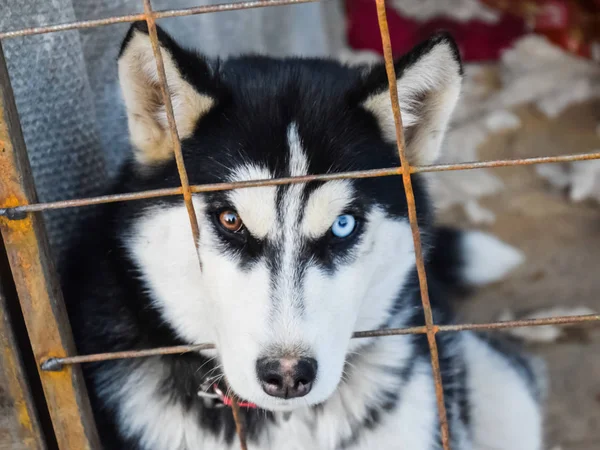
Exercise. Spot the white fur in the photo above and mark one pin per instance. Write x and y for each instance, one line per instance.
(146, 414)
(413, 424)
(505, 415)
(287, 294)
(436, 75)
(487, 258)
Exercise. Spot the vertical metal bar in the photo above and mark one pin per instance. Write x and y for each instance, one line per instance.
(162, 78)
(37, 286)
(240, 426)
(27, 431)
(185, 185)
(412, 215)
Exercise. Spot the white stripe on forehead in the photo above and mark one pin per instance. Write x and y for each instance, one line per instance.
(298, 162)
(286, 292)
(257, 205)
(292, 197)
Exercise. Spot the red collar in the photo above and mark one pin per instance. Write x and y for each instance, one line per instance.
(227, 401)
(217, 399)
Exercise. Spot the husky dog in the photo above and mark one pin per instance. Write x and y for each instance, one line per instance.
(288, 273)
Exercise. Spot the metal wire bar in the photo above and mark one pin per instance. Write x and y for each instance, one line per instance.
(183, 176)
(71, 26)
(412, 217)
(175, 141)
(55, 364)
(156, 14)
(240, 426)
(18, 211)
(559, 320)
(226, 7)
(506, 163)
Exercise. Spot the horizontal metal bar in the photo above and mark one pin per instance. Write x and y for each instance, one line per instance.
(157, 15)
(226, 7)
(18, 211)
(71, 26)
(561, 320)
(196, 189)
(506, 163)
(53, 364)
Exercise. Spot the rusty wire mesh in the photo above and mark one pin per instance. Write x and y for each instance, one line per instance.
(20, 211)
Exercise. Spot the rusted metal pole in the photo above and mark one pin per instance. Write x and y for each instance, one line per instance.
(37, 285)
(240, 425)
(23, 419)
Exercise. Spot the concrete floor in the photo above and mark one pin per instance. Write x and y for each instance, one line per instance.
(561, 241)
(562, 244)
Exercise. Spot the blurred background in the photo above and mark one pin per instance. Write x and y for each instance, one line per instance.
(532, 88)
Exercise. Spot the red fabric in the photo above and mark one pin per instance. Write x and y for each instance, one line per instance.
(227, 401)
(570, 24)
(478, 41)
(553, 15)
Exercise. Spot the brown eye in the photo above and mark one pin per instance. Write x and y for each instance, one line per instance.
(231, 221)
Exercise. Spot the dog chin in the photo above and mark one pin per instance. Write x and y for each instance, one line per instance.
(281, 405)
(292, 404)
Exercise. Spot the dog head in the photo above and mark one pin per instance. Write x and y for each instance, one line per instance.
(289, 272)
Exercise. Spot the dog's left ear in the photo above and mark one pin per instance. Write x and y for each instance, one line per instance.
(429, 81)
(191, 87)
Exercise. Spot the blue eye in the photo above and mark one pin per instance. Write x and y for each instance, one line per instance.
(343, 226)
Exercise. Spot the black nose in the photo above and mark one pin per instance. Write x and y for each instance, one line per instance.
(286, 377)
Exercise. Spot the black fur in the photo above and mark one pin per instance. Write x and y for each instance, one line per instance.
(447, 260)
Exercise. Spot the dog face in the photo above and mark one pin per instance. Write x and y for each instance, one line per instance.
(288, 272)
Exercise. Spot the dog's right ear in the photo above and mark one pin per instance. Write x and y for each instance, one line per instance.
(190, 82)
(429, 79)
